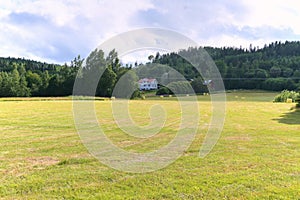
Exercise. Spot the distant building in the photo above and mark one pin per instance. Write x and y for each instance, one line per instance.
(207, 82)
(148, 84)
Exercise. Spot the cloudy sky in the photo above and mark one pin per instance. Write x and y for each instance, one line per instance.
(58, 30)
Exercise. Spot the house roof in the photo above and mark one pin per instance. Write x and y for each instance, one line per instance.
(149, 80)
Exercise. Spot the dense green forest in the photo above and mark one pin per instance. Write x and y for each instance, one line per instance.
(274, 67)
(21, 77)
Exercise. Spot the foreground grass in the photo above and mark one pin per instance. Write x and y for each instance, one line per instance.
(257, 156)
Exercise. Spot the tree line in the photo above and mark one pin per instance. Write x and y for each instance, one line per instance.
(24, 78)
(274, 67)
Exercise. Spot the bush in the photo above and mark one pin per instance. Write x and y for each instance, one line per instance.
(136, 94)
(286, 94)
(163, 91)
(198, 86)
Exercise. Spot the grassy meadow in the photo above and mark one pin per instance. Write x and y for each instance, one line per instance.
(256, 157)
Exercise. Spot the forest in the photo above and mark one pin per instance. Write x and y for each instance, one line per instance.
(274, 67)
(23, 78)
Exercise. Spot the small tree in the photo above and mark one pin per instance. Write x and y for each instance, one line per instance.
(198, 85)
(286, 94)
(163, 91)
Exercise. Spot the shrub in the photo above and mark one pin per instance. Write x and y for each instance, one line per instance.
(163, 91)
(198, 86)
(286, 94)
(136, 94)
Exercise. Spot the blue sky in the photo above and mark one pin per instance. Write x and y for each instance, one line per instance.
(58, 30)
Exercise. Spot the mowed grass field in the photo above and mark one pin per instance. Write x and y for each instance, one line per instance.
(256, 157)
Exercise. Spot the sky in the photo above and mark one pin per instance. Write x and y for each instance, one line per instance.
(57, 31)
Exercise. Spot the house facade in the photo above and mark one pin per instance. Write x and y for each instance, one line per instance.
(148, 84)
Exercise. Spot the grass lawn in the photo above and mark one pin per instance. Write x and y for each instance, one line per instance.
(257, 156)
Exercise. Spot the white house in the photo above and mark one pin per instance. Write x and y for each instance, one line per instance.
(148, 84)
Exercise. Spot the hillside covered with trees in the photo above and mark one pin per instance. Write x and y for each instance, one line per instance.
(21, 77)
(274, 67)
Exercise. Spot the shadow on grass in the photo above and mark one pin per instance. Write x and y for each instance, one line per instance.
(290, 117)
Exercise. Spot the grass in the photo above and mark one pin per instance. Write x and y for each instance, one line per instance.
(257, 156)
(53, 98)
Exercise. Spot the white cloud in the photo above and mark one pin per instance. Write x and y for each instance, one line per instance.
(73, 26)
(274, 13)
(140, 56)
(59, 30)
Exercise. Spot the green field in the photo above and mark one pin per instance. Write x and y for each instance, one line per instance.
(257, 156)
